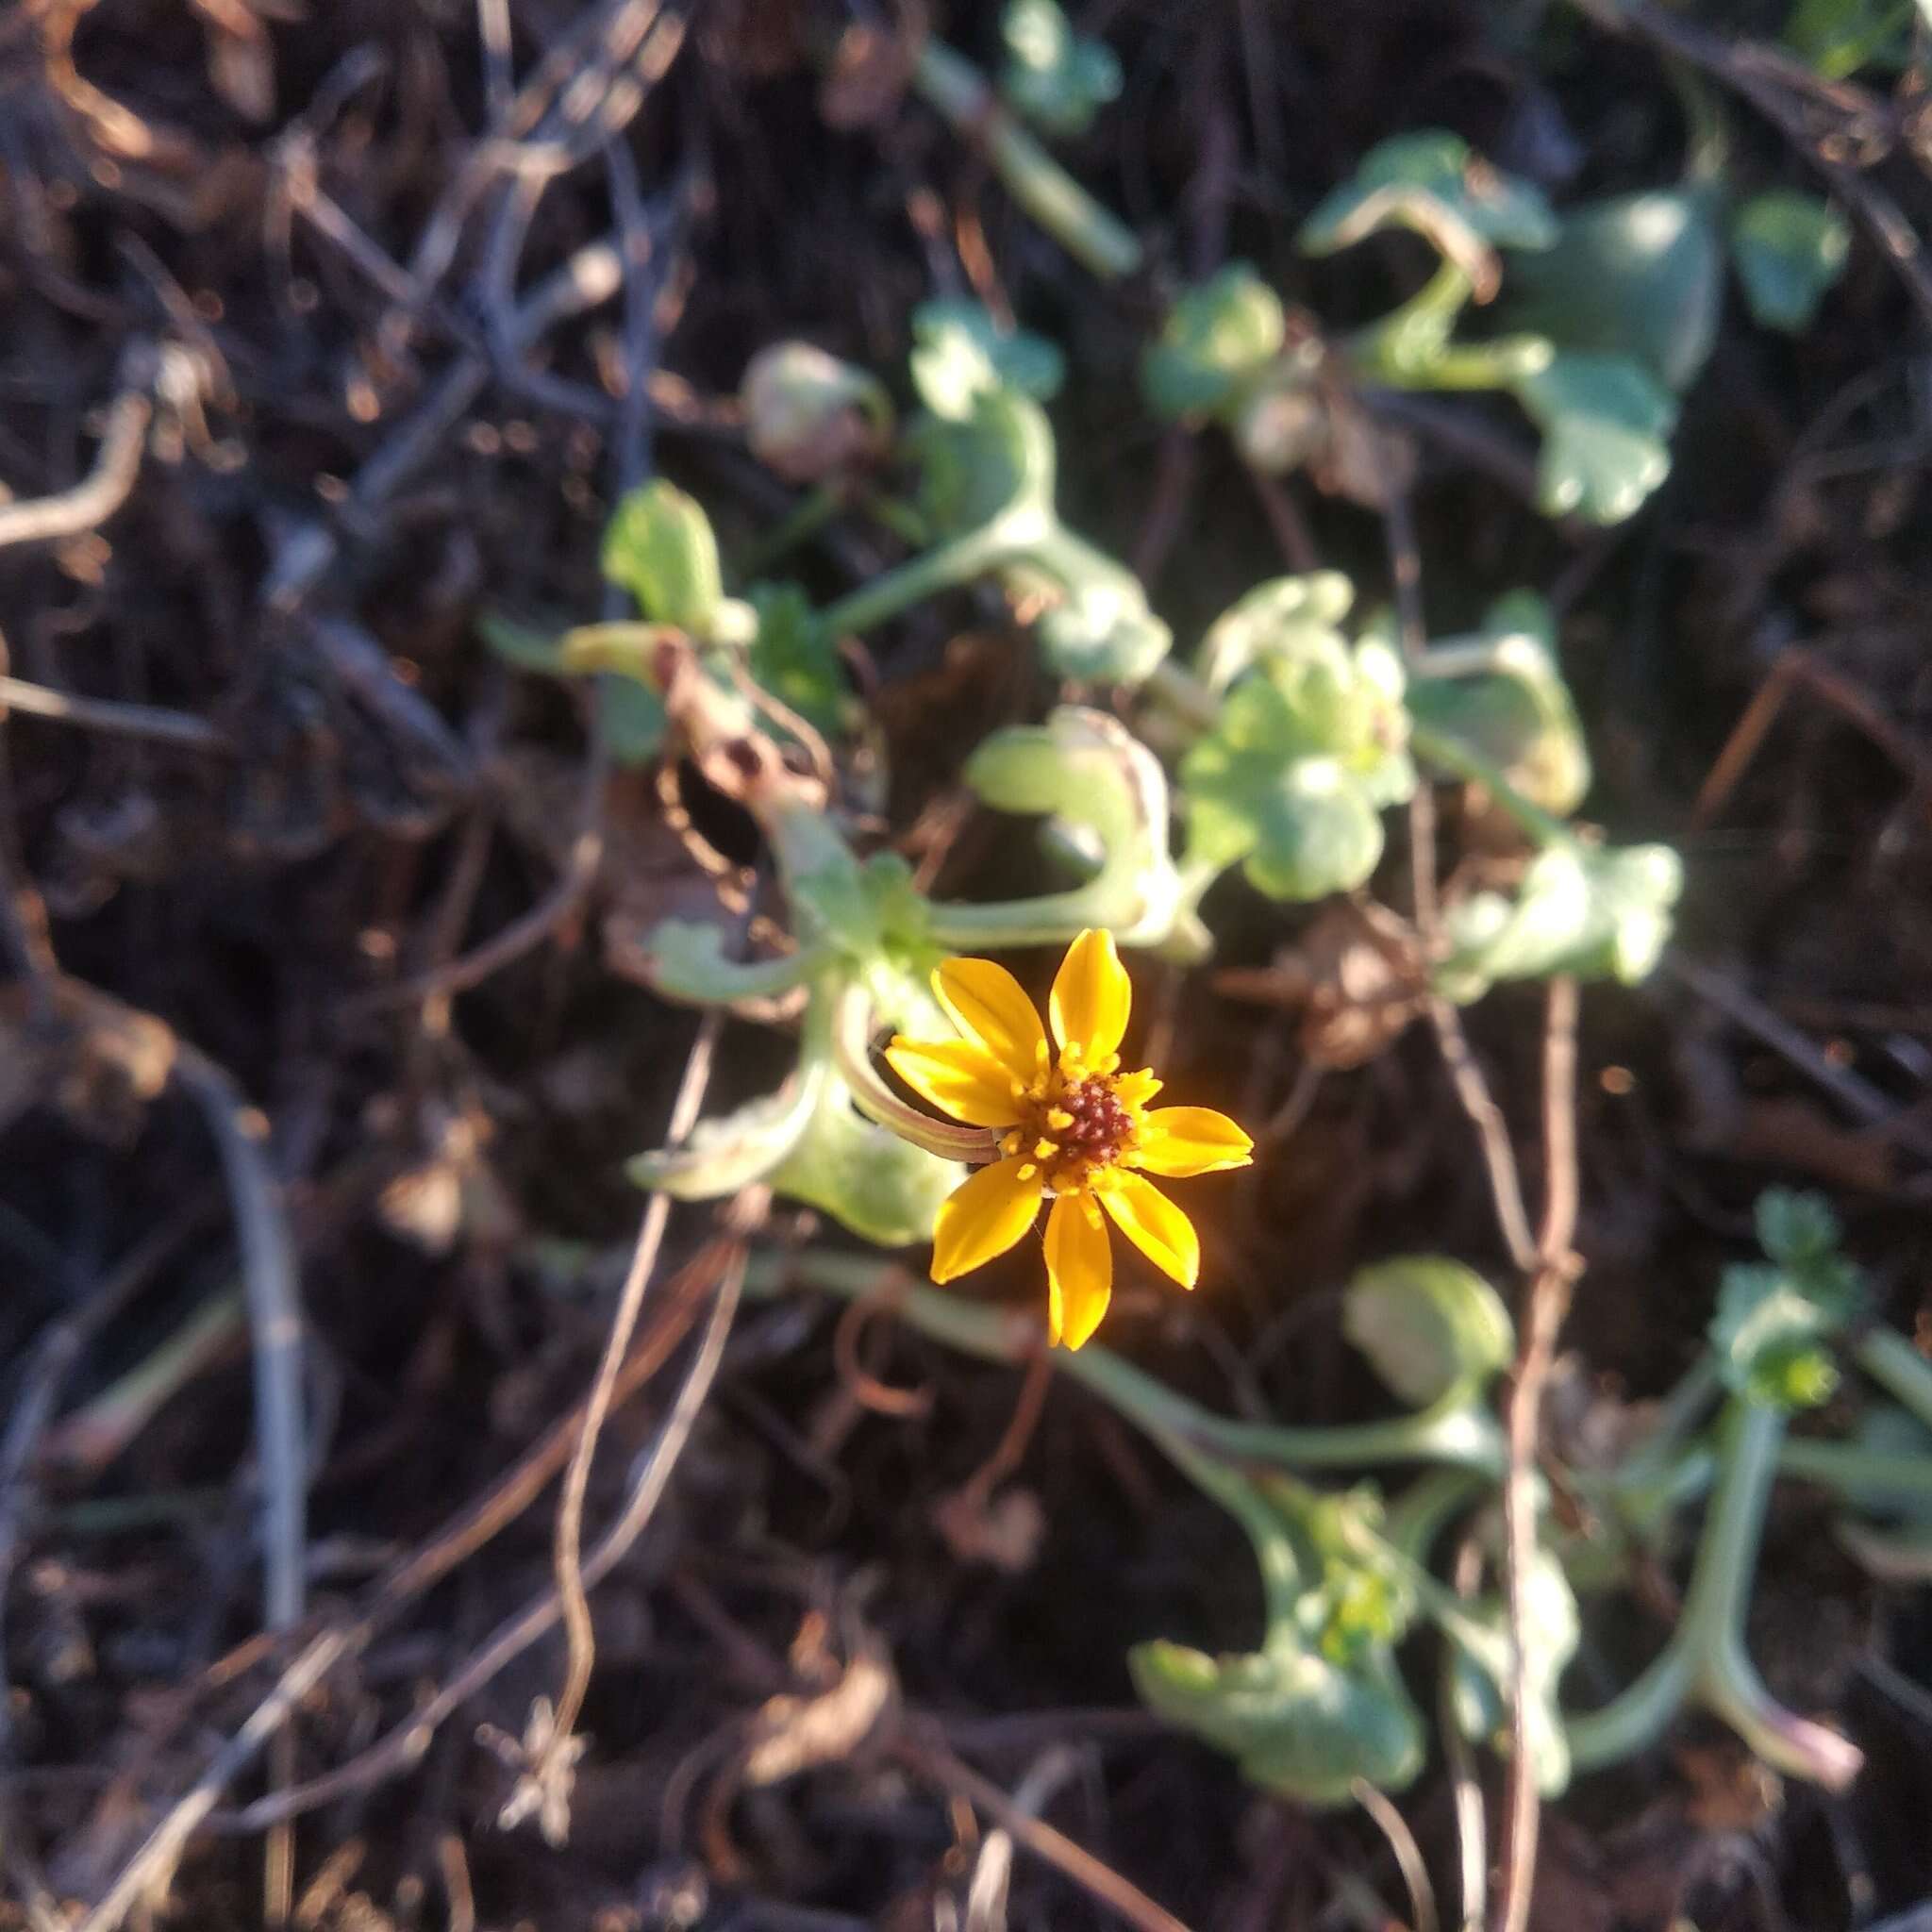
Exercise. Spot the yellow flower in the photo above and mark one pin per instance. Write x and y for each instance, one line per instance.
(1078, 1131)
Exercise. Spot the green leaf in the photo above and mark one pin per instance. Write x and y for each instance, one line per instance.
(1219, 339)
(1057, 80)
(1310, 746)
(632, 718)
(1836, 38)
(1295, 1723)
(961, 354)
(1087, 770)
(1639, 276)
(795, 657)
(998, 457)
(1101, 630)
(1797, 1230)
(1483, 1670)
(660, 548)
(1428, 1325)
(1320, 1704)
(1270, 622)
(1431, 181)
(882, 1188)
(1516, 711)
(1776, 1319)
(1790, 248)
(733, 1149)
(1605, 427)
(1601, 913)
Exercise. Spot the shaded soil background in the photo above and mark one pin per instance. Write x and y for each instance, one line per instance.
(350, 870)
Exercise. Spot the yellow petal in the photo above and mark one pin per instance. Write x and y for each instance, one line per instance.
(958, 1077)
(1079, 1269)
(1091, 996)
(1154, 1225)
(984, 1218)
(1136, 1090)
(1178, 1141)
(988, 1005)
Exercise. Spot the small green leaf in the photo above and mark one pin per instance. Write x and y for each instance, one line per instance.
(1797, 1230)
(998, 457)
(660, 548)
(632, 718)
(882, 1189)
(1602, 913)
(1790, 248)
(1640, 275)
(1776, 1321)
(1219, 339)
(1516, 711)
(1605, 427)
(1269, 623)
(1101, 631)
(795, 657)
(1294, 1722)
(1057, 80)
(1310, 746)
(960, 354)
(1836, 38)
(1428, 1325)
(1433, 182)
(733, 1149)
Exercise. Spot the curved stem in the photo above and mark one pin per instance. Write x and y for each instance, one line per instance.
(1456, 1433)
(851, 1040)
(1451, 755)
(1897, 1366)
(1038, 182)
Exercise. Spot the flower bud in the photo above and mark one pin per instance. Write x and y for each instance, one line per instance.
(809, 416)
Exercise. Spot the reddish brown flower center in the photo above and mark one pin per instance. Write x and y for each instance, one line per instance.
(1101, 1125)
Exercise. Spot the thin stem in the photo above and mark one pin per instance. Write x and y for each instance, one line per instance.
(1456, 1432)
(1897, 1366)
(943, 568)
(1451, 755)
(1038, 182)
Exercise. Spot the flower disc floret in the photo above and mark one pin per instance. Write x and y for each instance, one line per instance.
(1074, 1130)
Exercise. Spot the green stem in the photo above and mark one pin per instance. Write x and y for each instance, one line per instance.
(1897, 1366)
(1850, 1470)
(1455, 1432)
(945, 568)
(1409, 344)
(1705, 1657)
(850, 1029)
(1713, 1610)
(1085, 229)
(1451, 755)
(1177, 688)
(804, 520)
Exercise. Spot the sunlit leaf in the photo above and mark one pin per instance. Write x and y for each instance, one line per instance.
(1639, 276)
(961, 353)
(881, 1187)
(1516, 711)
(1218, 338)
(1428, 1324)
(1605, 427)
(1055, 78)
(660, 548)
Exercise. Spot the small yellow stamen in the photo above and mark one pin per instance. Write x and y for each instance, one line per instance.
(1046, 1150)
(1059, 1119)
(1028, 1170)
